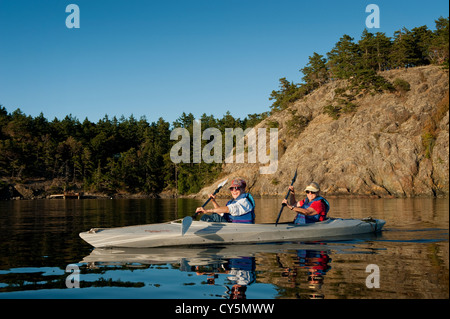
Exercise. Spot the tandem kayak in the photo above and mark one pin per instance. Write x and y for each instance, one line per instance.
(207, 233)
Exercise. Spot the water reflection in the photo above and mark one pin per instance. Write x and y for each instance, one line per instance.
(38, 239)
(312, 265)
(240, 273)
(299, 267)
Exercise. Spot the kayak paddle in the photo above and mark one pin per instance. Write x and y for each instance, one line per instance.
(187, 221)
(287, 195)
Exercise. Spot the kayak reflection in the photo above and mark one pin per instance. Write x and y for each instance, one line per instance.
(302, 267)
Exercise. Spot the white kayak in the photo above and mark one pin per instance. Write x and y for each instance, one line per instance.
(206, 233)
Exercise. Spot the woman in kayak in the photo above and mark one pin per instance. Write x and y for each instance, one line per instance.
(240, 209)
(313, 208)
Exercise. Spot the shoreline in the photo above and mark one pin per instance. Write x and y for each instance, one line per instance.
(54, 190)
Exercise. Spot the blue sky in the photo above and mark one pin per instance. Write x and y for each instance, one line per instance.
(162, 58)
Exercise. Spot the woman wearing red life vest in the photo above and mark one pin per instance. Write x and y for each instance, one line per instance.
(313, 208)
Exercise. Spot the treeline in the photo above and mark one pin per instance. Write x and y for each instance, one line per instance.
(111, 155)
(360, 62)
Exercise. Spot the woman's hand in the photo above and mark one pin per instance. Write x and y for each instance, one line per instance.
(200, 210)
(285, 203)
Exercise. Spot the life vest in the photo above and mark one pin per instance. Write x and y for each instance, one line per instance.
(315, 218)
(248, 218)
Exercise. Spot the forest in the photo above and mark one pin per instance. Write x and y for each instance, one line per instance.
(132, 155)
(123, 154)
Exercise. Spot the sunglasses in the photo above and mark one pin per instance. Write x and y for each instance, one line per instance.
(309, 192)
(234, 188)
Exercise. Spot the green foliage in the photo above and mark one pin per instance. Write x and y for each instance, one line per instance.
(254, 119)
(315, 72)
(343, 59)
(297, 123)
(401, 85)
(332, 110)
(438, 52)
(338, 107)
(374, 50)
(288, 93)
(368, 80)
(112, 155)
(428, 140)
(273, 124)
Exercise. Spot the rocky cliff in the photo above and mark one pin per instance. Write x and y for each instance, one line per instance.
(392, 144)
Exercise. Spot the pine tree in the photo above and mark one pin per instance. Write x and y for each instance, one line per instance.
(315, 72)
(383, 46)
(368, 48)
(422, 38)
(403, 51)
(288, 93)
(343, 59)
(438, 52)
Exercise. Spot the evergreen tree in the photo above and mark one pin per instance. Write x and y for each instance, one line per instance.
(383, 46)
(422, 38)
(315, 72)
(288, 93)
(343, 59)
(403, 50)
(185, 120)
(368, 47)
(438, 52)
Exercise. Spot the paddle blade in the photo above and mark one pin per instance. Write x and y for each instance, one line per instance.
(185, 224)
(220, 186)
(187, 221)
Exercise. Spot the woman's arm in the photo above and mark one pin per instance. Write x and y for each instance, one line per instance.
(307, 212)
(219, 210)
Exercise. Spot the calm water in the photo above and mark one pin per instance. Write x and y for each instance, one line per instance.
(39, 239)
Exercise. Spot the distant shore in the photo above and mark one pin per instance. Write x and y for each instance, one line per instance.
(55, 189)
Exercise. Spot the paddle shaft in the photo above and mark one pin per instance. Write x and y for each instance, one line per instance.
(206, 203)
(287, 195)
(282, 207)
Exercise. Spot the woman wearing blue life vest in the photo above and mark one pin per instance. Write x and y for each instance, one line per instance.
(240, 209)
(312, 209)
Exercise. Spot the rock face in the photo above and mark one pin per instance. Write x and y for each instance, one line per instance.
(378, 150)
